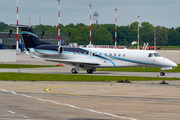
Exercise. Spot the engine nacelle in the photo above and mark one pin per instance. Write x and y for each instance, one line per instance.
(60, 50)
(49, 50)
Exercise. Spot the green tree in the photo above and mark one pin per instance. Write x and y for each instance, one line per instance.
(82, 35)
(111, 29)
(2, 26)
(102, 37)
(71, 25)
(162, 36)
(178, 29)
(134, 32)
(147, 33)
(72, 32)
(123, 35)
(134, 25)
(78, 25)
(174, 38)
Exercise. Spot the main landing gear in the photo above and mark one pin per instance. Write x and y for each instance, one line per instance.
(74, 71)
(90, 71)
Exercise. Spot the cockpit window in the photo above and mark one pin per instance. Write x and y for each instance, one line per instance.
(150, 55)
(157, 55)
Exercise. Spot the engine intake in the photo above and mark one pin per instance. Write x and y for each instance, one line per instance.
(60, 50)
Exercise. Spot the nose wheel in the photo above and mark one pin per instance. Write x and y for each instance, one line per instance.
(162, 73)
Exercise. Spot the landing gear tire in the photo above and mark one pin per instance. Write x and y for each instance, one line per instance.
(74, 71)
(162, 73)
(89, 71)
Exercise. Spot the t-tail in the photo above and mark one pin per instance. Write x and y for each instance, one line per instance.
(30, 38)
(35, 47)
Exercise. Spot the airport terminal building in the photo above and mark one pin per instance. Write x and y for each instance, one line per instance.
(8, 41)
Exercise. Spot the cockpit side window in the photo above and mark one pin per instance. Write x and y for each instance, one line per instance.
(150, 55)
(157, 55)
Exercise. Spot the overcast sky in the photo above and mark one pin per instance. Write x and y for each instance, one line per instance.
(157, 12)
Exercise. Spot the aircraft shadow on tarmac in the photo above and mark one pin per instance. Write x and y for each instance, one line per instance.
(87, 119)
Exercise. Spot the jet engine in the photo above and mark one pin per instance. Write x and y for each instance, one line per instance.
(60, 50)
(49, 50)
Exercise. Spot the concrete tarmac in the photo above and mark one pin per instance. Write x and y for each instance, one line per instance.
(89, 101)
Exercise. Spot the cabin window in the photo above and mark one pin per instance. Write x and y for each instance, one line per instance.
(79, 53)
(84, 53)
(123, 55)
(157, 55)
(150, 55)
(94, 53)
(119, 55)
(74, 52)
(105, 54)
(110, 54)
(114, 54)
(99, 53)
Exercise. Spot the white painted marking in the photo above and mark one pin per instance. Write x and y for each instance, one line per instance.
(39, 99)
(72, 106)
(91, 110)
(4, 90)
(25, 116)
(54, 102)
(26, 96)
(10, 111)
(13, 92)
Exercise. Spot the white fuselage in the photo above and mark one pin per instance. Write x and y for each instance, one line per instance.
(105, 58)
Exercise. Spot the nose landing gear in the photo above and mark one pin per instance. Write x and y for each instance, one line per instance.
(162, 73)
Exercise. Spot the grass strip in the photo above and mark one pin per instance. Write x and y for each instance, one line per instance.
(24, 66)
(170, 47)
(65, 77)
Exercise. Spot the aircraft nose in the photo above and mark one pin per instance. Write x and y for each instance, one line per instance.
(173, 64)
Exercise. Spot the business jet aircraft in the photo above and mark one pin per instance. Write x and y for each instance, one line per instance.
(92, 58)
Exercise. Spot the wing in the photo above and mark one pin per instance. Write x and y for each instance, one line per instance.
(76, 61)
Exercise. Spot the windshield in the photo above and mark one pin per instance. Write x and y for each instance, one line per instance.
(150, 55)
(157, 55)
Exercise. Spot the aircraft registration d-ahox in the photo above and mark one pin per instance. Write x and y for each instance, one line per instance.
(92, 58)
